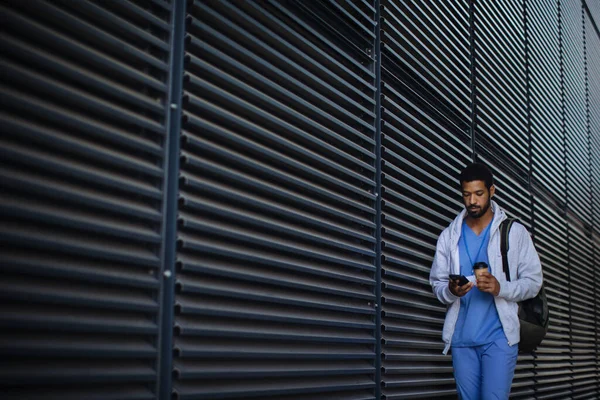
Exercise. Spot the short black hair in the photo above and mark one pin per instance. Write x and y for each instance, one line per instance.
(477, 172)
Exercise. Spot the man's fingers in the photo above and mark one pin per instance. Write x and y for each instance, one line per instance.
(465, 288)
(458, 290)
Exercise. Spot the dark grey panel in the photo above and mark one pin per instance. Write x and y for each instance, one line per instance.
(425, 139)
(553, 371)
(501, 108)
(276, 263)
(83, 113)
(577, 138)
(514, 198)
(592, 40)
(547, 135)
(427, 45)
(583, 298)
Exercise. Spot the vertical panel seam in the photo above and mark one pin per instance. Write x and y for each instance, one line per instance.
(528, 115)
(473, 73)
(171, 188)
(566, 207)
(378, 211)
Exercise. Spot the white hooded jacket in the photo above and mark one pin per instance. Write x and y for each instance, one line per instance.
(525, 273)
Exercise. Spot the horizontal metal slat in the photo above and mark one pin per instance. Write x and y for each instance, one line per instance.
(271, 121)
(399, 142)
(75, 170)
(318, 71)
(211, 390)
(75, 98)
(435, 123)
(58, 265)
(105, 391)
(433, 26)
(62, 44)
(351, 67)
(188, 348)
(392, 182)
(66, 347)
(274, 295)
(258, 167)
(81, 196)
(17, 317)
(279, 260)
(64, 373)
(490, 79)
(267, 243)
(241, 310)
(93, 35)
(57, 140)
(321, 38)
(280, 148)
(120, 25)
(391, 53)
(395, 203)
(192, 142)
(188, 370)
(452, 32)
(491, 35)
(271, 332)
(54, 292)
(192, 202)
(101, 248)
(424, 62)
(27, 54)
(309, 102)
(277, 108)
(417, 163)
(496, 107)
(135, 11)
(85, 125)
(24, 209)
(366, 30)
(283, 195)
(263, 223)
(341, 28)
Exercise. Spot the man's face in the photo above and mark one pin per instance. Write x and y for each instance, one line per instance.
(477, 198)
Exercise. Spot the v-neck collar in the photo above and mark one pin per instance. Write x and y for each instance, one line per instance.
(482, 233)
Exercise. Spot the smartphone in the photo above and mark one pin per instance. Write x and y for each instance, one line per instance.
(462, 280)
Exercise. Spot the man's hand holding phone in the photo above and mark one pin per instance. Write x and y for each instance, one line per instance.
(459, 285)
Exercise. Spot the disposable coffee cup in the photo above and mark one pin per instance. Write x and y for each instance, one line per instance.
(479, 268)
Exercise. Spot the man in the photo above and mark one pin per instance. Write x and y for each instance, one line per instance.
(482, 325)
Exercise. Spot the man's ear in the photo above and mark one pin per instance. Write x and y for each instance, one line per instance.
(492, 190)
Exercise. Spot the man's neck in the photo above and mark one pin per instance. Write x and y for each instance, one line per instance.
(477, 225)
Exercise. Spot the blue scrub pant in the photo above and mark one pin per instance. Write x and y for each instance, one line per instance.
(484, 372)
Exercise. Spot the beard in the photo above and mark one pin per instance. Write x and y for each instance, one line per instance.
(478, 212)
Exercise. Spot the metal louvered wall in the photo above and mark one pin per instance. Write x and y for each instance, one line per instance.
(276, 262)
(222, 199)
(84, 87)
(425, 142)
(592, 40)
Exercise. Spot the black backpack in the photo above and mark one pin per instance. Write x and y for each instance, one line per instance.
(533, 313)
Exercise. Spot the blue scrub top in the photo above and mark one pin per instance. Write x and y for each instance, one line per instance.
(478, 322)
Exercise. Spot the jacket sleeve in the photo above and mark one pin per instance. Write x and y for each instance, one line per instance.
(529, 269)
(440, 269)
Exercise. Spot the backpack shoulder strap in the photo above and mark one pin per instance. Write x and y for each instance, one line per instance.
(504, 245)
